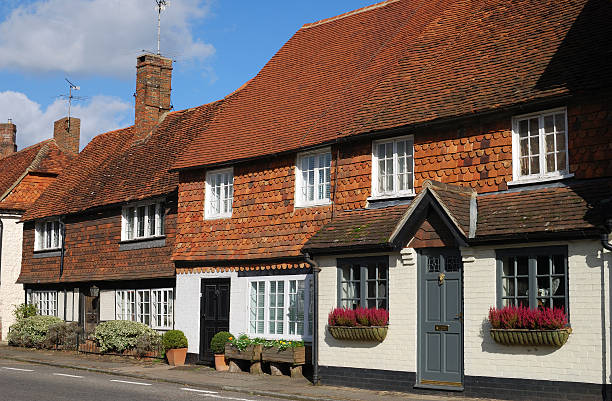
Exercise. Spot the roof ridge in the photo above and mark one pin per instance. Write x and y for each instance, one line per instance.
(348, 14)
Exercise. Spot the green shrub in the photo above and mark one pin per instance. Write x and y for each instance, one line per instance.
(146, 343)
(24, 311)
(120, 335)
(31, 331)
(173, 339)
(64, 334)
(217, 344)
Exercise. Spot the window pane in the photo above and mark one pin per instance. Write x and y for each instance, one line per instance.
(560, 122)
(130, 223)
(523, 128)
(508, 289)
(549, 124)
(151, 220)
(140, 219)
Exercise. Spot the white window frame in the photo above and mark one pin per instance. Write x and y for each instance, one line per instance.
(208, 213)
(159, 220)
(307, 336)
(376, 173)
(45, 301)
(300, 198)
(516, 155)
(122, 312)
(41, 235)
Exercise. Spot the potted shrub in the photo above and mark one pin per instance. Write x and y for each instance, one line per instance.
(513, 325)
(217, 346)
(175, 346)
(360, 324)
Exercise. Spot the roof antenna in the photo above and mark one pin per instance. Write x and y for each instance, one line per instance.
(161, 6)
(70, 97)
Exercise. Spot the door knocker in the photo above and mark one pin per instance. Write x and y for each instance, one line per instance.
(441, 278)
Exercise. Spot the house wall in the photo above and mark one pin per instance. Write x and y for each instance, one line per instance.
(478, 153)
(579, 360)
(399, 351)
(11, 293)
(93, 251)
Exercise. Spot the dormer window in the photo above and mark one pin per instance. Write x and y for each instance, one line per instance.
(393, 167)
(219, 194)
(142, 220)
(48, 235)
(539, 146)
(312, 179)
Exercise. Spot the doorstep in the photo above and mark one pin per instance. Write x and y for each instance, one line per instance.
(207, 378)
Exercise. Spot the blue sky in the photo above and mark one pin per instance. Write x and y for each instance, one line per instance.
(218, 45)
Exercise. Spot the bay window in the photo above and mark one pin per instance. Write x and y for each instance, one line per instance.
(277, 307)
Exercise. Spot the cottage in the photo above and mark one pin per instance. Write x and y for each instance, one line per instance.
(430, 159)
(24, 175)
(116, 205)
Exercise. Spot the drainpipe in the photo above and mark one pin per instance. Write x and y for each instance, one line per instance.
(606, 245)
(315, 319)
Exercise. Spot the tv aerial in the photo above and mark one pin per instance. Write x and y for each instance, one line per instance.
(161, 6)
(70, 97)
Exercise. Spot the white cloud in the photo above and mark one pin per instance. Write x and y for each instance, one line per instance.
(100, 114)
(97, 36)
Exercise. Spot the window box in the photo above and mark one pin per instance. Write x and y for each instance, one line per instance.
(294, 356)
(554, 338)
(365, 334)
(250, 353)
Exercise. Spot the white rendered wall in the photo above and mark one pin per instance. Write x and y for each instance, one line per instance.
(187, 305)
(11, 293)
(107, 305)
(398, 351)
(579, 360)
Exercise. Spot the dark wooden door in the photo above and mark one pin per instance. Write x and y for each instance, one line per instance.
(214, 313)
(91, 313)
(441, 319)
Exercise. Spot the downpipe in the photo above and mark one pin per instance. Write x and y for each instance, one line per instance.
(315, 318)
(605, 243)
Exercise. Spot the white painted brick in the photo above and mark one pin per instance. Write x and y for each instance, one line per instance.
(11, 293)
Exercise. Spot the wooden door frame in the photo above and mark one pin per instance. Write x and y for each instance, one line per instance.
(421, 259)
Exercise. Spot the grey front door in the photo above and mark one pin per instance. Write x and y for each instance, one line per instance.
(440, 331)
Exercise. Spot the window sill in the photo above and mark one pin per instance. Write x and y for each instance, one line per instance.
(218, 217)
(538, 180)
(301, 205)
(47, 253)
(391, 197)
(142, 243)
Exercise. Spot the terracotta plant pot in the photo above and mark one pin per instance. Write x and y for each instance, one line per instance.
(220, 364)
(554, 338)
(372, 333)
(176, 357)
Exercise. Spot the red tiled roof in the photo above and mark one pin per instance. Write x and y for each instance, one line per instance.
(25, 174)
(407, 62)
(115, 167)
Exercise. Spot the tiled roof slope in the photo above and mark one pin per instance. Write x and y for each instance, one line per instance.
(25, 174)
(577, 207)
(407, 62)
(115, 167)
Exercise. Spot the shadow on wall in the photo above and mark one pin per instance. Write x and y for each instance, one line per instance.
(491, 347)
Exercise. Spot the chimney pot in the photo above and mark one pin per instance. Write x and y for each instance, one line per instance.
(67, 134)
(8, 136)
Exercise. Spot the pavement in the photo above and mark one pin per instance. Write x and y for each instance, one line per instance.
(205, 378)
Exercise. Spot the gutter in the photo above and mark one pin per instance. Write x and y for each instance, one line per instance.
(63, 248)
(315, 318)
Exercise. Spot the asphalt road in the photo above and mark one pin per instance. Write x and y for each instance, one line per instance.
(23, 381)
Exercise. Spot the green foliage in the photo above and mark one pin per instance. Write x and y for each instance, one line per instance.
(24, 311)
(217, 344)
(64, 334)
(173, 339)
(283, 344)
(243, 342)
(120, 335)
(31, 331)
(146, 343)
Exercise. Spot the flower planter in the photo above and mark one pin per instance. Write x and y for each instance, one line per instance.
(176, 356)
(554, 338)
(251, 353)
(373, 333)
(294, 356)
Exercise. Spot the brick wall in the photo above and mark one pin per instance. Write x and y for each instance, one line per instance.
(153, 87)
(67, 134)
(92, 251)
(8, 144)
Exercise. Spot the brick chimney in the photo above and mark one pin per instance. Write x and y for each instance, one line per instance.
(67, 135)
(153, 76)
(8, 143)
